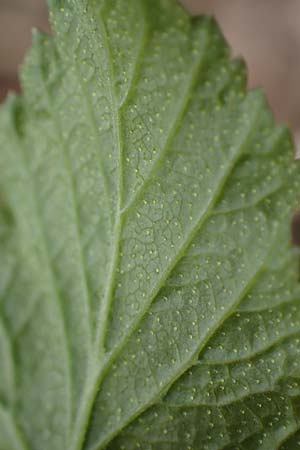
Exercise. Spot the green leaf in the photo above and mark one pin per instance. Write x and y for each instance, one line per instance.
(148, 293)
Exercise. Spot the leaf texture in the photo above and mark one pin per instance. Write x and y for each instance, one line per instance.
(149, 295)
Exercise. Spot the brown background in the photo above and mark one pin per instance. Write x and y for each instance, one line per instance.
(265, 32)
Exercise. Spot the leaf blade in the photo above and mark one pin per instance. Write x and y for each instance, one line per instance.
(137, 212)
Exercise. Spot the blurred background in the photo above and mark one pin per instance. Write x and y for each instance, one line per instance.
(265, 32)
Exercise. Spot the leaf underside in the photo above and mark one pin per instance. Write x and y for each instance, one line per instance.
(148, 295)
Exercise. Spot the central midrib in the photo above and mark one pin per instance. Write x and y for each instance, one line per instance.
(91, 385)
(113, 355)
(123, 211)
(97, 374)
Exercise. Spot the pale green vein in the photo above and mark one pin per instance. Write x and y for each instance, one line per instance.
(263, 307)
(76, 222)
(98, 376)
(175, 125)
(10, 375)
(269, 346)
(124, 101)
(10, 432)
(105, 307)
(218, 403)
(50, 272)
(97, 139)
(288, 436)
(112, 356)
(9, 284)
(138, 62)
(164, 387)
(91, 385)
(249, 205)
(188, 239)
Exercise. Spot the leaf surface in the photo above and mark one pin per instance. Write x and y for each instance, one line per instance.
(149, 295)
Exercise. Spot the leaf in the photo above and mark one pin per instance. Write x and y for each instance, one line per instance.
(149, 297)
